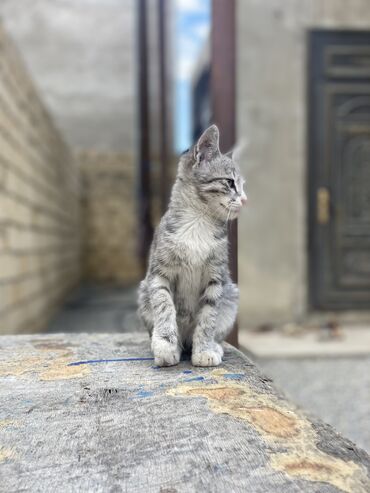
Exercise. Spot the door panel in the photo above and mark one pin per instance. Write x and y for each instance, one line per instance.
(339, 169)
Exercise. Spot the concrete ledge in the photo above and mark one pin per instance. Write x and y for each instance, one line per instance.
(92, 413)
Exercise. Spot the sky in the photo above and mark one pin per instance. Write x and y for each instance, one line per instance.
(192, 28)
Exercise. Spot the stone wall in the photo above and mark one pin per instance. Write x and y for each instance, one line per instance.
(39, 203)
(272, 115)
(110, 217)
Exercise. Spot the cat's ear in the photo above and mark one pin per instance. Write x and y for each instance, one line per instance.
(207, 147)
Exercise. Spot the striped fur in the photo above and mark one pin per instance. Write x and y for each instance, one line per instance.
(187, 300)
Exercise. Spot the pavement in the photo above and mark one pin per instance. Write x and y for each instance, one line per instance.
(326, 374)
(294, 340)
(334, 389)
(98, 308)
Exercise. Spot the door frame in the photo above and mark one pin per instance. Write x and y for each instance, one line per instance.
(311, 178)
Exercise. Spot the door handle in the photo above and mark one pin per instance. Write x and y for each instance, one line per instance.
(323, 205)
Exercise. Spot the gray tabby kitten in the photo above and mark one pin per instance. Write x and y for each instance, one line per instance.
(187, 299)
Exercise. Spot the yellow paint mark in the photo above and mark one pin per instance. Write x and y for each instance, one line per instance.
(47, 363)
(59, 370)
(346, 476)
(7, 454)
(8, 422)
(19, 366)
(271, 421)
(240, 401)
(217, 393)
(278, 422)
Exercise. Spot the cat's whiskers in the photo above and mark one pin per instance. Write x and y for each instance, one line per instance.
(228, 209)
(228, 215)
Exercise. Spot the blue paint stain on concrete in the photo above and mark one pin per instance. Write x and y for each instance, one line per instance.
(234, 376)
(113, 360)
(144, 393)
(187, 371)
(194, 379)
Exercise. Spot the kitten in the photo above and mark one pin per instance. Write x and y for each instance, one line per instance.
(187, 299)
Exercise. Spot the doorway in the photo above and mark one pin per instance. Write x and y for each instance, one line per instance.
(339, 169)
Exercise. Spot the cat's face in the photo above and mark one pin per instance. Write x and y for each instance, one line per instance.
(217, 177)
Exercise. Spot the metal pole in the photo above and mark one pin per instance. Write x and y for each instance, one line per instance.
(144, 188)
(223, 93)
(162, 35)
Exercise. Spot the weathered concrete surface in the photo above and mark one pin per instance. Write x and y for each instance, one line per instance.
(71, 421)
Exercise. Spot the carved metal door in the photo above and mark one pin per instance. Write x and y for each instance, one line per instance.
(339, 169)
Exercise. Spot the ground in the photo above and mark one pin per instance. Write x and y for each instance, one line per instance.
(98, 308)
(335, 389)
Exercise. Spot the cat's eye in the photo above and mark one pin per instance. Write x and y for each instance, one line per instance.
(231, 183)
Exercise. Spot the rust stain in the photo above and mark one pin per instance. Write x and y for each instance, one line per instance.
(278, 422)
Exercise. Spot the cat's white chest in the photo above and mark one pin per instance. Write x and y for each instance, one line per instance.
(195, 239)
(189, 287)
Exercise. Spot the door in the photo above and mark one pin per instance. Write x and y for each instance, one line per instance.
(339, 169)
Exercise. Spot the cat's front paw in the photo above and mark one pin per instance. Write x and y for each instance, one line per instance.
(207, 357)
(165, 353)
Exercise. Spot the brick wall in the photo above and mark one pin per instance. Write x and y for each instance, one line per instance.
(111, 253)
(39, 203)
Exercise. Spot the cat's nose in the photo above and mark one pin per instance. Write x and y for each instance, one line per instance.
(243, 199)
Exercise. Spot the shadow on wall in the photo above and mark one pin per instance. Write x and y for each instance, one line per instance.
(110, 218)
